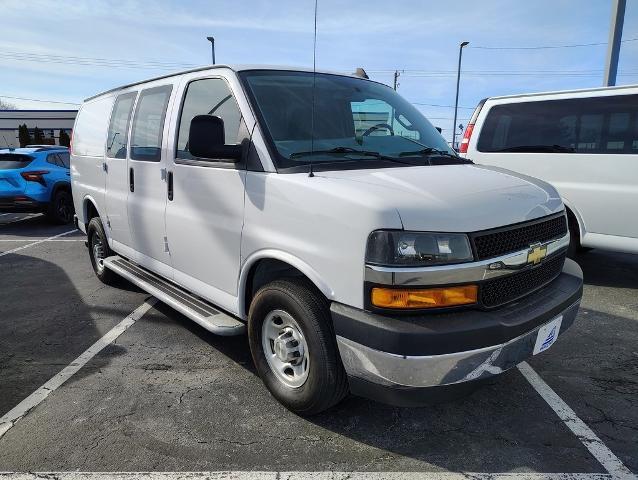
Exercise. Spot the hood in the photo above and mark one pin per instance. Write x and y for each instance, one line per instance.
(453, 198)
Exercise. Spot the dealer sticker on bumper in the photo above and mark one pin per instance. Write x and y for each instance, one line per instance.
(547, 335)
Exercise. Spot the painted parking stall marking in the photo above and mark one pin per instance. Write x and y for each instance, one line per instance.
(48, 239)
(589, 439)
(16, 413)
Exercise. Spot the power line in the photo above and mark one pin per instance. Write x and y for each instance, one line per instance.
(37, 100)
(93, 61)
(544, 47)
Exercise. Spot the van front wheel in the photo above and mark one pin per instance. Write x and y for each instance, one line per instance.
(99, 250)
(294, 348)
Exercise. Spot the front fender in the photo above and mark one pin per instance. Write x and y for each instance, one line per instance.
(285, 257)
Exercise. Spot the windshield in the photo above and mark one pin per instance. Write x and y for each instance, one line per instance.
(350, 115)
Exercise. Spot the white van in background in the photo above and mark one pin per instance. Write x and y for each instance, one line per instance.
(584, 142)
(325, 216)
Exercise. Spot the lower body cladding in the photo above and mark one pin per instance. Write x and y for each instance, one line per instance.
(415, 359)
(21, 204)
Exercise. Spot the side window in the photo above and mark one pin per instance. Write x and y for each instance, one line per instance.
(210, 96)
(65, 159)
(118, 128)
(579, 125)
(591, 128)
(617, 132)
(148, 124)
(52, 158)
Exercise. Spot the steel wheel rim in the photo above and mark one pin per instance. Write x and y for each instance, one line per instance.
(98, 252)
(285, 348)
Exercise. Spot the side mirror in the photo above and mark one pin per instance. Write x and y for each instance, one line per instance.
(206, 139)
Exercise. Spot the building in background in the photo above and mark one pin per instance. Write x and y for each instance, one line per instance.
(49, 122)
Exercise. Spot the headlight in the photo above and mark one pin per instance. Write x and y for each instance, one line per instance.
(417, 249)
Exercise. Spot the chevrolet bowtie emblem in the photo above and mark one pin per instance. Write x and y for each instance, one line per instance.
(536, 253)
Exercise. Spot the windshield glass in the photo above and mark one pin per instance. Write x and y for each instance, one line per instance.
(350, 115)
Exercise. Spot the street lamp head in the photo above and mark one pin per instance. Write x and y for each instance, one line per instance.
(464, 44)
(210, 39)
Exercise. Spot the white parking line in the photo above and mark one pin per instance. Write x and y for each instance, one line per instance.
(45, 239)
(33, 400)
(596, 447)
(244, 475)
(17, 249)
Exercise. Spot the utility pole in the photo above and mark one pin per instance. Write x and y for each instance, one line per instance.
(212, 44)
(396, 78)
(613, 46)
(456, 102)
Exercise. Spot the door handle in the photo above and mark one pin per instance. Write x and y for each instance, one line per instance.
(131, 179)
(169, 184)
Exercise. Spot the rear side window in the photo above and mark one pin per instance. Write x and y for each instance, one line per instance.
(578, 125)
(65, 158)
(13, 160)
(53, 159)
(148, 124)
(91, 127)
(118, 128)
(210, 96)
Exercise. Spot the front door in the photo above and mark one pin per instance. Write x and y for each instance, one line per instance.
(204, 217)
(146, 181)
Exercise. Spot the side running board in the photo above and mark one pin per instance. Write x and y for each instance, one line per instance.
(194, 308)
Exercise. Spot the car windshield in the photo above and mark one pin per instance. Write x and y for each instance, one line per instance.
(355, 121)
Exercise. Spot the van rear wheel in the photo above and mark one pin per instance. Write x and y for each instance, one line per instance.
(294, 348)
(99, 250)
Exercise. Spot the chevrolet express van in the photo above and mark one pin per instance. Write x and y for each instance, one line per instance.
(583, 142)
(325, 216)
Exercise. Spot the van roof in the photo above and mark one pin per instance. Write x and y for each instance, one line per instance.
(235, 68)
(560, 92)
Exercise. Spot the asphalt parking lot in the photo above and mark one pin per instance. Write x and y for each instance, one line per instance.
(168, 396)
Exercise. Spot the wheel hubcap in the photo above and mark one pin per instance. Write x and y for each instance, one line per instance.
(285, 348)
(98, 252)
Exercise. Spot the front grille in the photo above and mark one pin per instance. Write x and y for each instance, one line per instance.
(505, 289)
(507, 240)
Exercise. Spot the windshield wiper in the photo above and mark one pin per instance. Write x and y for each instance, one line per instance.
(537, 148)
(348, 151)
(334, 150)
(430, 152)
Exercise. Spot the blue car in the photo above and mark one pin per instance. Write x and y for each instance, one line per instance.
(37, 179)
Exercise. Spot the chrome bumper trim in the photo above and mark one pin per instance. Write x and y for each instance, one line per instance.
(394, 370)
(459, 273)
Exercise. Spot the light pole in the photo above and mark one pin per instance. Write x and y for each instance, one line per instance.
(613, 48)
(212, 44)
(456, 102)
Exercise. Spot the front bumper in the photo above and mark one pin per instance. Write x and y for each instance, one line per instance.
(413, 352)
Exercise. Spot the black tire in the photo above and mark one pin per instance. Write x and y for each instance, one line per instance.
(95, 233)
(60, 208)
(326, 382)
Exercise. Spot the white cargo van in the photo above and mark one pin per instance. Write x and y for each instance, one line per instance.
(327, 217)
(584, 142)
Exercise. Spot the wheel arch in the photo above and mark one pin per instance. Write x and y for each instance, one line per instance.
(57, 186)
(268, 265)
(573, 215)
(89, 209)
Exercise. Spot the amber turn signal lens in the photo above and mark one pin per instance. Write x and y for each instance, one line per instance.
(424, 298)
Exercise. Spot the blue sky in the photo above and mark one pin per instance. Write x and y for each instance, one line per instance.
(421, 37)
